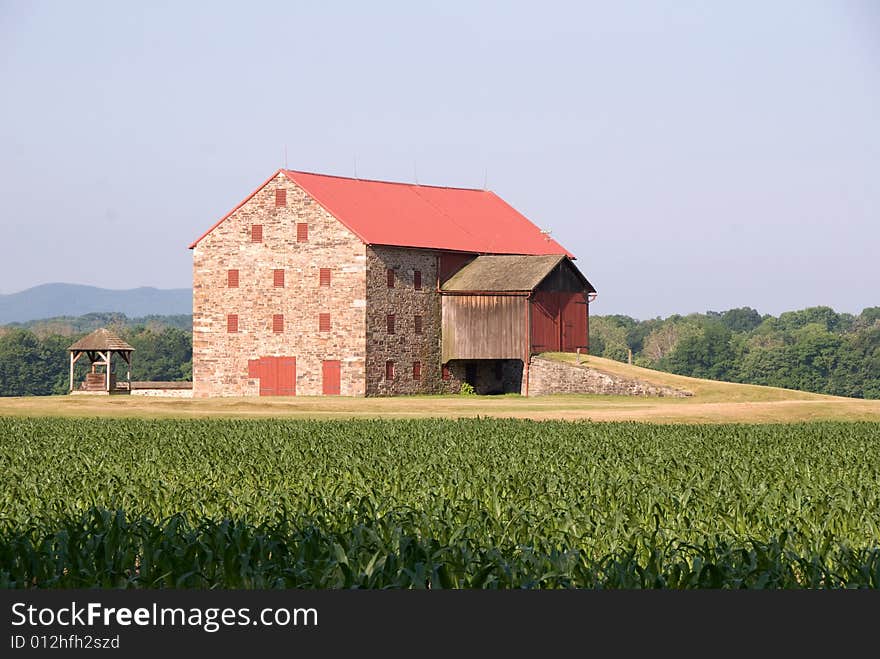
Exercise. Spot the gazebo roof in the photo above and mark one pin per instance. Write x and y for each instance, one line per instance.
(101, 340)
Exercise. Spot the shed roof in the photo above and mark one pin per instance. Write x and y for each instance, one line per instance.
(424, 216)
(506, 273)
(101, 339)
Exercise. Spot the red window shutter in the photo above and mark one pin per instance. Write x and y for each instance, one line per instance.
(302, 232)
(389, 370)
(278, 323)
(324, 322)
(256, 233)
(232, 278)
(325, 277)
(417, 370)
(446, 375)
(417, 321)
(417, 280)
(390, 277)
(253, 368)
(232, 323)
(280, 198)
(278, 278)
(390, 321)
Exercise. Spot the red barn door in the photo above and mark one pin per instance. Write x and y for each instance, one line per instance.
(574, 322)
(545, 322)
(331, 377)
(277, 376)
(268, 377)
(559, 321)
(286, 376)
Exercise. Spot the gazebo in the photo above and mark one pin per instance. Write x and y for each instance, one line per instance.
(99, 347)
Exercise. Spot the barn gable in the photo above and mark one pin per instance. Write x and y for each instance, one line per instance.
(279, 288)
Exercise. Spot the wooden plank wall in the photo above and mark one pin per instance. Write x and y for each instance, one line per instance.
(559, 321)
(484, 327)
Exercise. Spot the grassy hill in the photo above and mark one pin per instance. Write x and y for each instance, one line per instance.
(706, 391)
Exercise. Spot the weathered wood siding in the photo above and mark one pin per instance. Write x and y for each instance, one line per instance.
(560, 313)
(484, 327)
(559, 321)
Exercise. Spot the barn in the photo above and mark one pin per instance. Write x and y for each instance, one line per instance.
(326, 285)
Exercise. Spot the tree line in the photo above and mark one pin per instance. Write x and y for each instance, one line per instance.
(814, 349)
(35, 362)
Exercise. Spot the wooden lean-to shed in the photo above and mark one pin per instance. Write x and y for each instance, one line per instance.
(510, 307)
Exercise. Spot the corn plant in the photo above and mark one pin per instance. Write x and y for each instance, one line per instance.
(478, 503)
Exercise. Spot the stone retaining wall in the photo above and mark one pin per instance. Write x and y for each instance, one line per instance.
(164, 393)
(552, 377)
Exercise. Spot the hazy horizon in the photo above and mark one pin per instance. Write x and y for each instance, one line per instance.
(593, 311)
(692, 157)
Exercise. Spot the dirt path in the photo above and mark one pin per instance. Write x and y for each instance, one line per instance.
(572, 407)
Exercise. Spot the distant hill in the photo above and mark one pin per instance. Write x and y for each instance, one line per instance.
(55, 300)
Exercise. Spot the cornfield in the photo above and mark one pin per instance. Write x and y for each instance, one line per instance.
(480, 503)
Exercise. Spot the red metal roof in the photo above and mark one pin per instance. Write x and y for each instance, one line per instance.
(409, 215)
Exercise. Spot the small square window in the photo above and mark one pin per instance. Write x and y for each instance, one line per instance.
(417, 370)
(278, 278)
(324, 322)
(417, 280)
(232, 278)
(280, 198)
(302, 232)
(278, 323)
(232, 323)
(390, 277)
(417, 322)
(390, 323)
(389, 370)
(324, 278)
(256, 233)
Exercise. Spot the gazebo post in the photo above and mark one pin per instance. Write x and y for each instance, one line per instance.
(107, 369)
(71, 372)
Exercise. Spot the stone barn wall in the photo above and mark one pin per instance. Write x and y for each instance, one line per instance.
(404, 347)
(220, 359)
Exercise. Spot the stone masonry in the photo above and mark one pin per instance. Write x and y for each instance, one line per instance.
(220, 359)
(404, 347)
(553, 377)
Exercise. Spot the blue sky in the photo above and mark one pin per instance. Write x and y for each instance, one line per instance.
(693, 156)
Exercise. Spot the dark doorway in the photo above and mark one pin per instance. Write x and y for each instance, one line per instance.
(470, 374)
